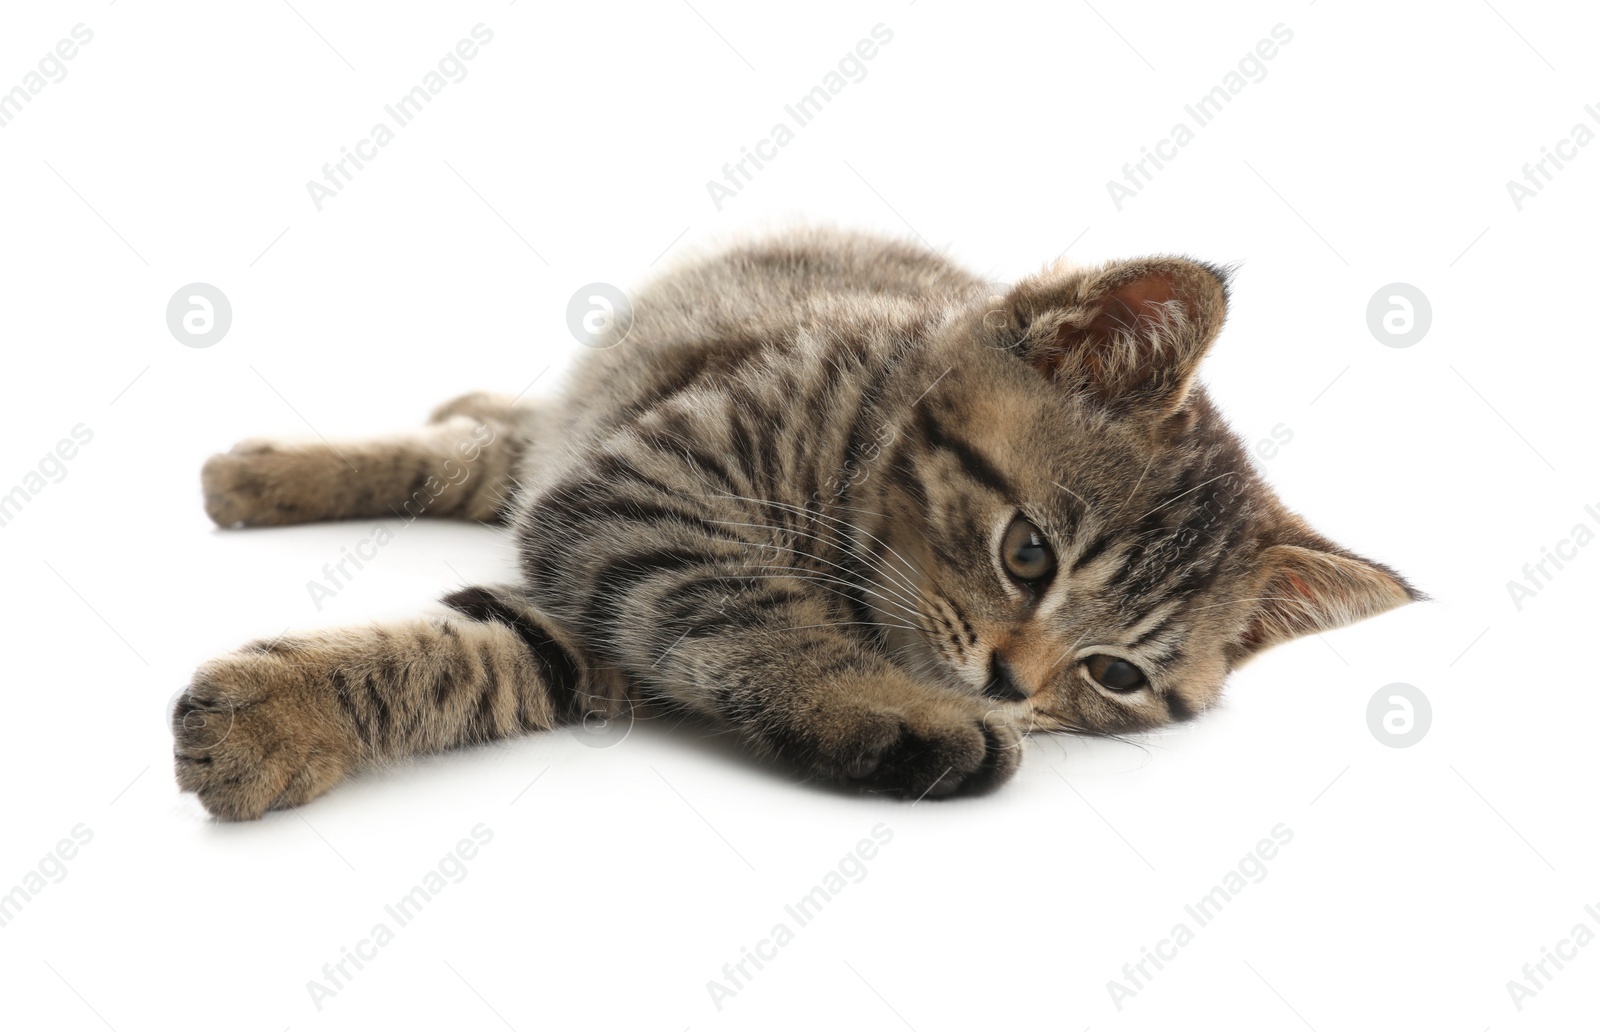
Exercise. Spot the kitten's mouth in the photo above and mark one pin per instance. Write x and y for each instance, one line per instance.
(1002, 685)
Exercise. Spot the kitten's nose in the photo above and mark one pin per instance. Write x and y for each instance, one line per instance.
(1002, 684)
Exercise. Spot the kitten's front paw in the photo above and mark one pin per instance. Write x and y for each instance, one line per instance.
(933, 750)
(248, 737)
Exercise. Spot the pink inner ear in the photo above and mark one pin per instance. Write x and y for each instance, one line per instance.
(1318, 601)
(1309, 590)
(1134, 335)
(1300, 587)
(1131, 302)
(1122, 310)
(1157, 289)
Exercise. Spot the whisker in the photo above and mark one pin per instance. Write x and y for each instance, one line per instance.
(849, 526)
(1073, 493)
(801, 573)
(1135, 490)
(899, 582)
(1192, 490)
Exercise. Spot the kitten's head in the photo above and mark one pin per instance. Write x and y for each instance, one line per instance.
(1075, 529)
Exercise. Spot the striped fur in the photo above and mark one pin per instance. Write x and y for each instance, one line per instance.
(778, 505)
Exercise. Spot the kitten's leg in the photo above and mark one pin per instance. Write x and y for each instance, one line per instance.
(779, 667)
(459, 465)
(279, 723)
(870, 725)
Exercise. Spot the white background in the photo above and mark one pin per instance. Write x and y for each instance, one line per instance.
(1376, 150)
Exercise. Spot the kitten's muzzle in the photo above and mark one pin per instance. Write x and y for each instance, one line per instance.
(1002, 684)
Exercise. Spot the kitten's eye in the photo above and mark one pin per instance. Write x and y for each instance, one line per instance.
(1025, 552)
(1118, 675)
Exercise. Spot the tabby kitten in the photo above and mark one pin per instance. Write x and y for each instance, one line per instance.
(829, 493)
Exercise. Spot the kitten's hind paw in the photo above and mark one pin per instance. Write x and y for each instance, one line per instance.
(254, 484)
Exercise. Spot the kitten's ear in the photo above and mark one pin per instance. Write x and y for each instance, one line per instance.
(1130, 334)
(1305, 589)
